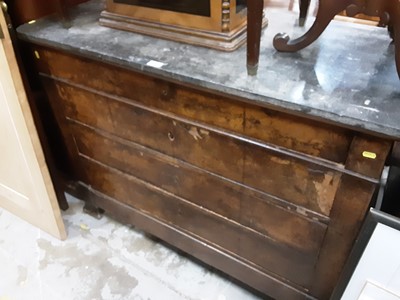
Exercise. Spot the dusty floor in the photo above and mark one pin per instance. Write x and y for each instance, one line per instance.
(101, 259)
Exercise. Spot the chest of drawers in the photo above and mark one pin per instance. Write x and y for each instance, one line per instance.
(271, 192)
(270, 198)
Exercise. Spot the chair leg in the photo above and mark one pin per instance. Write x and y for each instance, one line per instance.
(327, 10)
(391, 31)
(62, 7)
(254, 26)
(304, 6)
(395, 32)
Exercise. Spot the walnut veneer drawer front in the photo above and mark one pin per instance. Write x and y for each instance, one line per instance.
(253, 165)
(278, 128)
(272, 199)
(226, 198)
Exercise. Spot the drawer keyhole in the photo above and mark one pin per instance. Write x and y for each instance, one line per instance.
(171, 136)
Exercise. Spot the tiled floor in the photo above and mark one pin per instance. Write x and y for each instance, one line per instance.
(101, 259)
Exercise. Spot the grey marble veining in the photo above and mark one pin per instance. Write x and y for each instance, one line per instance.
(348, 76)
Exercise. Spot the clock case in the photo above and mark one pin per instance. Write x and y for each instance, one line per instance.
(218, 24)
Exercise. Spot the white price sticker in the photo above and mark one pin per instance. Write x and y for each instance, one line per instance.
(155, 64)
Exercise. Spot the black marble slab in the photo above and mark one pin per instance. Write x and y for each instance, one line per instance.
(347, 77)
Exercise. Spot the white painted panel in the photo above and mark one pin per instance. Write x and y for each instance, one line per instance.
(379, 264)
(11, 193)
(374, 292)
(394, 283)
(25, 184)
(12, 158)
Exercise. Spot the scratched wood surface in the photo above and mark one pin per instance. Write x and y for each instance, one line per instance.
(281, 129)
(231, 200)
(246, 244)
(281, 195)
(302, 183)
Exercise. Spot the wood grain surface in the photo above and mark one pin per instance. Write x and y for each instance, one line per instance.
(278, 196)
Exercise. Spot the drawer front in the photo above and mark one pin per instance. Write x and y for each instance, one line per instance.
(292, 179)
(256, 249)
(228, 199)
(277, 128)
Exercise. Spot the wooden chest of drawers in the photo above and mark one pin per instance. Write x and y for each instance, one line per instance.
(272, 199)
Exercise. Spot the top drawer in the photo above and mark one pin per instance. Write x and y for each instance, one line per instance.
(273, 127)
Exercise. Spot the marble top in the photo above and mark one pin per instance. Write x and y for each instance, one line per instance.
(348, 76)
